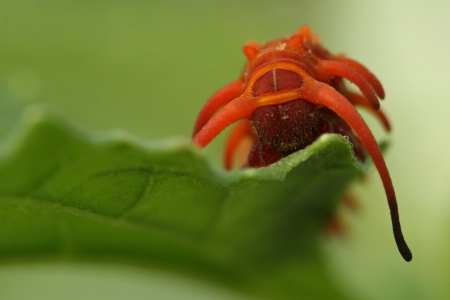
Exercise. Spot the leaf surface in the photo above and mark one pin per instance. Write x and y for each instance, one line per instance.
(70, 195)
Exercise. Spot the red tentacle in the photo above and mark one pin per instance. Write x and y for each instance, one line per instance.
(357, 99)
(243, 130)
(325, 69)
(369, 76)
(322, 94)
(323, 53)
(326, 95)
(239, 108)
(219, 99)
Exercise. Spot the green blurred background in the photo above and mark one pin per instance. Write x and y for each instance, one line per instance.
(148, 66)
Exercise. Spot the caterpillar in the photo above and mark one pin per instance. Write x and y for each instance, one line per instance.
(290, 92)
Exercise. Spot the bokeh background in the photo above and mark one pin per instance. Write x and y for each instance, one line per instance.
(148, 66)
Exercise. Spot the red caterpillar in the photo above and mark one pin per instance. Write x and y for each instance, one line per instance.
(290, 92)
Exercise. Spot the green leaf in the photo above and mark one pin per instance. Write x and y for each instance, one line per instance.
(69, 195)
